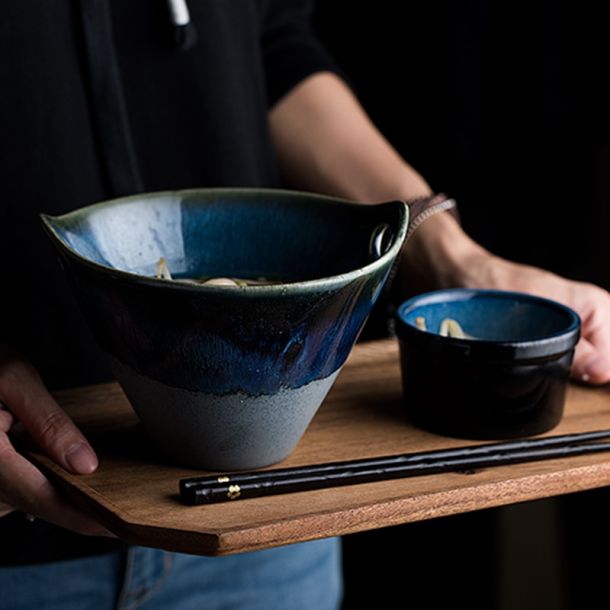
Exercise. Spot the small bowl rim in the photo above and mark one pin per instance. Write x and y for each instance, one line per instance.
(259, 290)
(545, 346)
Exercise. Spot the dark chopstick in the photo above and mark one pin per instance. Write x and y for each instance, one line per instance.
(271, 486)
(219, 488)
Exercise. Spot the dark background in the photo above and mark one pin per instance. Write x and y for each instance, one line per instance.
(502, 105)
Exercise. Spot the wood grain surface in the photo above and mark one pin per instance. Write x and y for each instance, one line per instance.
(135, 490)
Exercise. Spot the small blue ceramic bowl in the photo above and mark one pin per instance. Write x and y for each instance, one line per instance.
(506, 378)
(228, 377)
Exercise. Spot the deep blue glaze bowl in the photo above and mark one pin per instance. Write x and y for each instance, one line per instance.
(509, 381)
(228, 377)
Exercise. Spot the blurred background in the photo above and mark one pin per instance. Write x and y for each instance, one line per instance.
(504, 106)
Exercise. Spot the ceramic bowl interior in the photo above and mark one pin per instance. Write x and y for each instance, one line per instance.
(514, 324)
(506, 377)
(229, 233)
(228, 377)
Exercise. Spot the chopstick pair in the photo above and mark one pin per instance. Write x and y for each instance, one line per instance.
(243, 485)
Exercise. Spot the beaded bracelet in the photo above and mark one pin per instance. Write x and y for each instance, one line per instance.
(422, 208)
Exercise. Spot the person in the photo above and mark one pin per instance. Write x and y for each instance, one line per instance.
(99, 103)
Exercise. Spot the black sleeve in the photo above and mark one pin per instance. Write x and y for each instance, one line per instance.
(290, 48)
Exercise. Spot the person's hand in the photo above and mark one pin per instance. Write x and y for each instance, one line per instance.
(25, 401)
(441, 255)
(591, 303)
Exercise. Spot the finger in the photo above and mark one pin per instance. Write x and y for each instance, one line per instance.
(23, 486)
(584, 351)
(590, 364)
(51, 429)
(5, 509)
(596, 368)
(6, 419)
(592, 356)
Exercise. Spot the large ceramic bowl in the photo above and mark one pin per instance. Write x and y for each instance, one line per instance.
(501, 372)
(228, 377)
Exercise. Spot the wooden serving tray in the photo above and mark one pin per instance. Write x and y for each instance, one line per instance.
(134, 492)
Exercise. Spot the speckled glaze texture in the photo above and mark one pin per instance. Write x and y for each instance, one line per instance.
(510, 382)
(241, 421)
(262, 353)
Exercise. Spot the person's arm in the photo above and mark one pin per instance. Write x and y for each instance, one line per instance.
(326, 143)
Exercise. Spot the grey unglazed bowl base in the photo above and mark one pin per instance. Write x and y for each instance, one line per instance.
(227, 432)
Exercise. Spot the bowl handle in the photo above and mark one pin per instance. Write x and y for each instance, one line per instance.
(381, 240)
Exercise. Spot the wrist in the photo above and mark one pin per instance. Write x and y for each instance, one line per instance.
(439, 254)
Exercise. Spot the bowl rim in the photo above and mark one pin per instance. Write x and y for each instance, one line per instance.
(48, 222)
(544, 346)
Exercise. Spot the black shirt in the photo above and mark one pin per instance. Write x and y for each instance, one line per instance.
(98, 101)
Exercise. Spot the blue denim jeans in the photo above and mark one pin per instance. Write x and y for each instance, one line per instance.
(296, 577)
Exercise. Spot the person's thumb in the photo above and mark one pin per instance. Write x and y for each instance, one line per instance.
(23, 392)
